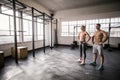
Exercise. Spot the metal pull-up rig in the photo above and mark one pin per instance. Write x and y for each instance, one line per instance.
(16, 5)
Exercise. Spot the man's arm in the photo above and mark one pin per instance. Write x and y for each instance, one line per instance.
(105, 38)
(93, 37)
(88, 37)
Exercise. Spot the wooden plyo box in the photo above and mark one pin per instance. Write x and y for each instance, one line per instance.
(22, 52)
(1, 58)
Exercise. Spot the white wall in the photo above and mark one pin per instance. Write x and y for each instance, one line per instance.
(7, 47)
(95, 12)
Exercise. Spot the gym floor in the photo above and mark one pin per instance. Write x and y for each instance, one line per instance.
(61, 64)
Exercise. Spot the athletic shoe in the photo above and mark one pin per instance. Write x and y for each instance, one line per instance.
(79, 61)
(93, 63)
(101, 68)
(82, 63)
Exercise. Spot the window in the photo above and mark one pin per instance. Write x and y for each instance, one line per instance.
(71, 25)
(23, 27)
(71, 30)
(104, 24)
(27, 28)
(115, 30)
(8, 11)
(26, 16)
(64, 29)
(79, 23)
(7, 29)
(17, 28)
(4, 28)
(40, 30)
(68, 27)
(90, 26)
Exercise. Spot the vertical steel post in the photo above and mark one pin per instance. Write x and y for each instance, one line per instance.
(33, 45)
(109, 35)
(56, 32)
(51, 33)
(44, 32)
(15, 33)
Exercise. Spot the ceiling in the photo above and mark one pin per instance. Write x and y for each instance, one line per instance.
(56, 5)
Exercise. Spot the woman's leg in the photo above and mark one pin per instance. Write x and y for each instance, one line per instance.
(80, 51)
(84, 52)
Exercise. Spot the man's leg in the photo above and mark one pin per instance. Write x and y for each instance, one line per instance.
(94, 60)
(94, 55)
(101, 58)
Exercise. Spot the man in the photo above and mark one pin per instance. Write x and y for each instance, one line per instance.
(83, 43)
(98, 39)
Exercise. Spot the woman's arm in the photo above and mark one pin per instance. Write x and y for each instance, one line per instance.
(88, 37)
(78, 36)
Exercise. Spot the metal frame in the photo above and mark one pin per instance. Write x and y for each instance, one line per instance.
(51, 33)
(44, 32)
(109, 33)
(74, 33)
(0, 8)
(15, 33)
(48, 19)
(33, 45)
(56, 34)
(14, 4)
(21, 7)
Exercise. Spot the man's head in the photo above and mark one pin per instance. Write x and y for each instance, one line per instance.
(83, 28)
(98, 26)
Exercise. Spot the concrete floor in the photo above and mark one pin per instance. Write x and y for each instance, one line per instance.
(60, 64)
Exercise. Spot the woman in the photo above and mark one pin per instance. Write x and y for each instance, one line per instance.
(83, 43)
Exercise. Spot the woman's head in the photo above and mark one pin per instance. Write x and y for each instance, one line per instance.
(83, 28)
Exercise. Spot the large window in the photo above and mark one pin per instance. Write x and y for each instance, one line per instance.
(39, 29)
(7, 29)
(80, 23)
(65, 28)
(68, 26)
(90, 26)
(71, 27)
(104, 24)
(115, 31)
(4, 25)
(23, 27)
(27, 29)
(7, 10)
